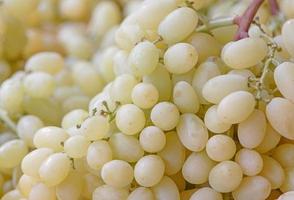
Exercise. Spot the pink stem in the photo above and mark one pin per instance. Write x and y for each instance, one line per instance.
(246, 19)
(274, 7)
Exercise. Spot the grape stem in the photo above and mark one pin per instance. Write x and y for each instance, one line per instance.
(7, 121)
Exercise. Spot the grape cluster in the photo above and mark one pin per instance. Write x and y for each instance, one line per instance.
(148, 100)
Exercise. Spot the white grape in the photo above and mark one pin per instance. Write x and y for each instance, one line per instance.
(145, 95)
(76, 146)
(152, 139)
(213, 122)
(98, 154)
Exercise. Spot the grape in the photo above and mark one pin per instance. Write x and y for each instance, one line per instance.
(284, 76)
(95, 128)
(287, 32)
(74, 10)
(105, 63)
(244, 53)
(98, 154)
(250, 161)
(180, 58)
(76, 146)
(141, 193)
(192, 132)
(152, 139)
(213, 122)
(25, 184)
(280, 114)
(41, 191)
(55, 169)
(220, 86)
(236, 107)
(166, 189)
(287, 196)
(165, 115)
(252, 131)
(151, 164)
(255, 188)
(206, 193)
(50, 137)
(91, 182)
(185, 98)
(197, 167)
(220, 148)
(71, 187)
(225, 176)
(272, 171)
(178, 25)
(284, 155)
(117, 173)
(49, 62)
(11, 195)
(144, 58)
(145, 95)
(31, 163)
(12, 152)
(242, 72)
(39, 85)
(73, 118)
(107, 192)
(270, 140)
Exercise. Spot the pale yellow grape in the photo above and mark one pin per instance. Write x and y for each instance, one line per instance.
(287, 34)
(25, 184)
(12, 195)
(39, 85)
(242, 72)
(185, 98)
(173, 154)
(187, 77)
(31, 163)
(165, 115)
(95, 127)
(107, 192)
(117, 173)
(74, 10)
(220, 86)
(105, 63)
(287, 196)
(280, 114)
(270, 140)
(213, 122)
(55, 169)
(197, 167)
(20, 8)
(220, 148)
(91, 182)
(166, 189)
(76, 146)
(252, 131)
(244, 53)
(128, 35)
(144, 58)
(284, 154)
(284, 79)
(236, 107)
(130, 119)
(50, 137)
(192, 132)
(105, 15)
(141, 193)
(49, 62)
(145, 95)
(12, 152)
(120, 63)
(87, 78)
(160, 78)
(71, 187)
(27, 126)
(225, 176)
(5, 70)
(152, 139)
(180, 58)
(288, 183)
(98, 154)
(41, 191)
(11, 96)
(272, 171)
(255, 188)
(73, 118)
(178, 25)
(250, 161)
(126, 147)
(121, 88)
(204, 72)
(205, 45)
(151, 13)
(149, 170)
(79, 46)
(206, 193)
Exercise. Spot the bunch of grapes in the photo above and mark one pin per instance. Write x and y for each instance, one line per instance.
(180, 100)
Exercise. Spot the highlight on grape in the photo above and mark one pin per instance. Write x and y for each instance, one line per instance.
(147, 100)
